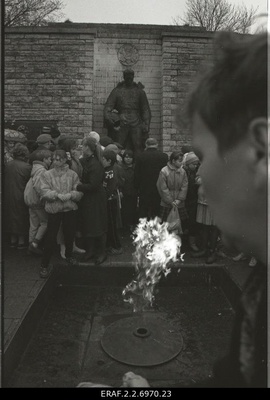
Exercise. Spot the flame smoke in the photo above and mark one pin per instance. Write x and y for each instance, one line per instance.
(155, 247)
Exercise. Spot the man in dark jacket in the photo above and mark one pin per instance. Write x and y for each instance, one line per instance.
(147, 167)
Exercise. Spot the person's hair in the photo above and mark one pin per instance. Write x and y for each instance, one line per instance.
(151, 142)
(120, 147)
(41, 154)
(186, 148)
(94, 135)
(127, 152)
(68, 144)
(20, 151)
(234, 91)
(31, 145)
(105, 140)
(61, 153)
(109, 155)
(61, 140)
(175, 155)
(94, 146)
(90, 142)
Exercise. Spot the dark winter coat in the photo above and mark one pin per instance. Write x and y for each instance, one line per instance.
(127, 173)
(192, 193)
(93, 205)
(16, 214)
(147, 168)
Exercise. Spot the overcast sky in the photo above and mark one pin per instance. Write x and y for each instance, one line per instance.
(156, 12)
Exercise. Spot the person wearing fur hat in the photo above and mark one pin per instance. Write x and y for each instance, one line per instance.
(191, 164)
(11, 138)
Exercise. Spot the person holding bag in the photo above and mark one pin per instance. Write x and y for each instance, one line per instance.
(172, 185)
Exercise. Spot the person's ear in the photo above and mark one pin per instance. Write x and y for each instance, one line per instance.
(258, 135)
(258, 130)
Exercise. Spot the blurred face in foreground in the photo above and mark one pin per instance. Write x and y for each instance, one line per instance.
(235, 184)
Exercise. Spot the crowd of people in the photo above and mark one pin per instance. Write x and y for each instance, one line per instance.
(84, 194)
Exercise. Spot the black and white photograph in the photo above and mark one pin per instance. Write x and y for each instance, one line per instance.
(134, 196)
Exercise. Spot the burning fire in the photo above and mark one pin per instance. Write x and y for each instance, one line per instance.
(155, 247)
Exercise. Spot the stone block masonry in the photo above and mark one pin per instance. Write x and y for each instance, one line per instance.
(64, 72)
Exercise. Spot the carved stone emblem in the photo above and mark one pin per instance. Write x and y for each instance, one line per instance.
(128, 55)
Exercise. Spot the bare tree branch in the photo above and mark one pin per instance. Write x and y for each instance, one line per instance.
(32, 12)
(216, 15)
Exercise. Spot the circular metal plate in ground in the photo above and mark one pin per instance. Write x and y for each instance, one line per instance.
(144, 340)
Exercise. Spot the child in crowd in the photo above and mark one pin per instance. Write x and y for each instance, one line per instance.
(172, 185)
(209, 232)
(16, 216)
(110, 184)
(117, 167)
(58, 189)
(38, 217)
(191, 164)
(129, 193)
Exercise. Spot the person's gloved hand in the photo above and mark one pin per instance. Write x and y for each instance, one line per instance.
(132, 380)
(176, 203)
(64, 197)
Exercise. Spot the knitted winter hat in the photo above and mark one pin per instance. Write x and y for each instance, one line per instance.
(44, 138)
(105, 140)
(112, 147)
(190, 158)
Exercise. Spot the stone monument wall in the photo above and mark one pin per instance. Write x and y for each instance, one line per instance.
(64, 73)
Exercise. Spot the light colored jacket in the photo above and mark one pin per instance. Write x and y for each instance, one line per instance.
(38, 169)
(172, 184)
(201, 195)
(60, 181)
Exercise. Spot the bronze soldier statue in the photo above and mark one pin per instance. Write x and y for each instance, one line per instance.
(127, 113)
